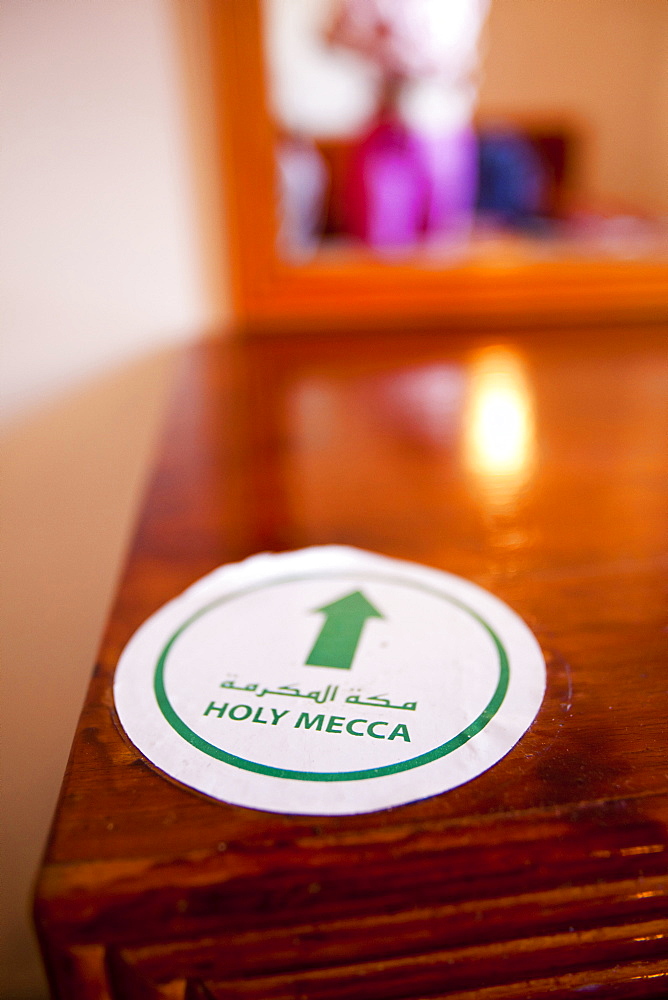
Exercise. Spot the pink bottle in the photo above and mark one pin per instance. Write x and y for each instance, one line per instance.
(404, 186)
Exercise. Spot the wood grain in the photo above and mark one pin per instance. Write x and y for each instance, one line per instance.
(545, 876)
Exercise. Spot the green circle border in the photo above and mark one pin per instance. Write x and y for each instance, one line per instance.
(446, 748)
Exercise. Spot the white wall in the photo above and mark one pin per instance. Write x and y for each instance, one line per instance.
(103, 267)
(100, 253)
(71, 477)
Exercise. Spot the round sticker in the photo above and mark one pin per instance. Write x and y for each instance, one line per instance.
(329, 681)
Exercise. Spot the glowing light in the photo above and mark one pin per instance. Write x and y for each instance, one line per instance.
(499, 432)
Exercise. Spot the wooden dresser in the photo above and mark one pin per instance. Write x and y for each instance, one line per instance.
(547, 876)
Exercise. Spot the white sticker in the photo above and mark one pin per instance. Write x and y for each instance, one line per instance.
(329, 681)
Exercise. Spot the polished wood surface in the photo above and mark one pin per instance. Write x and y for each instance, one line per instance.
(545, 876)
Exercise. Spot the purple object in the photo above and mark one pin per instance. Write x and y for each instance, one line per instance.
(404, 185)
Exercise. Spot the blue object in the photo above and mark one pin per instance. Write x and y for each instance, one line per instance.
(512, 179)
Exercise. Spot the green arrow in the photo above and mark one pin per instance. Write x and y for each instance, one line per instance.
(340, 635)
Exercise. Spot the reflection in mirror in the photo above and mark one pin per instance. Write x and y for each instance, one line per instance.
(424, 128)
(388, 89)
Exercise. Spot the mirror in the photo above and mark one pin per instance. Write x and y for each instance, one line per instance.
(415, 124)
(527, 179)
